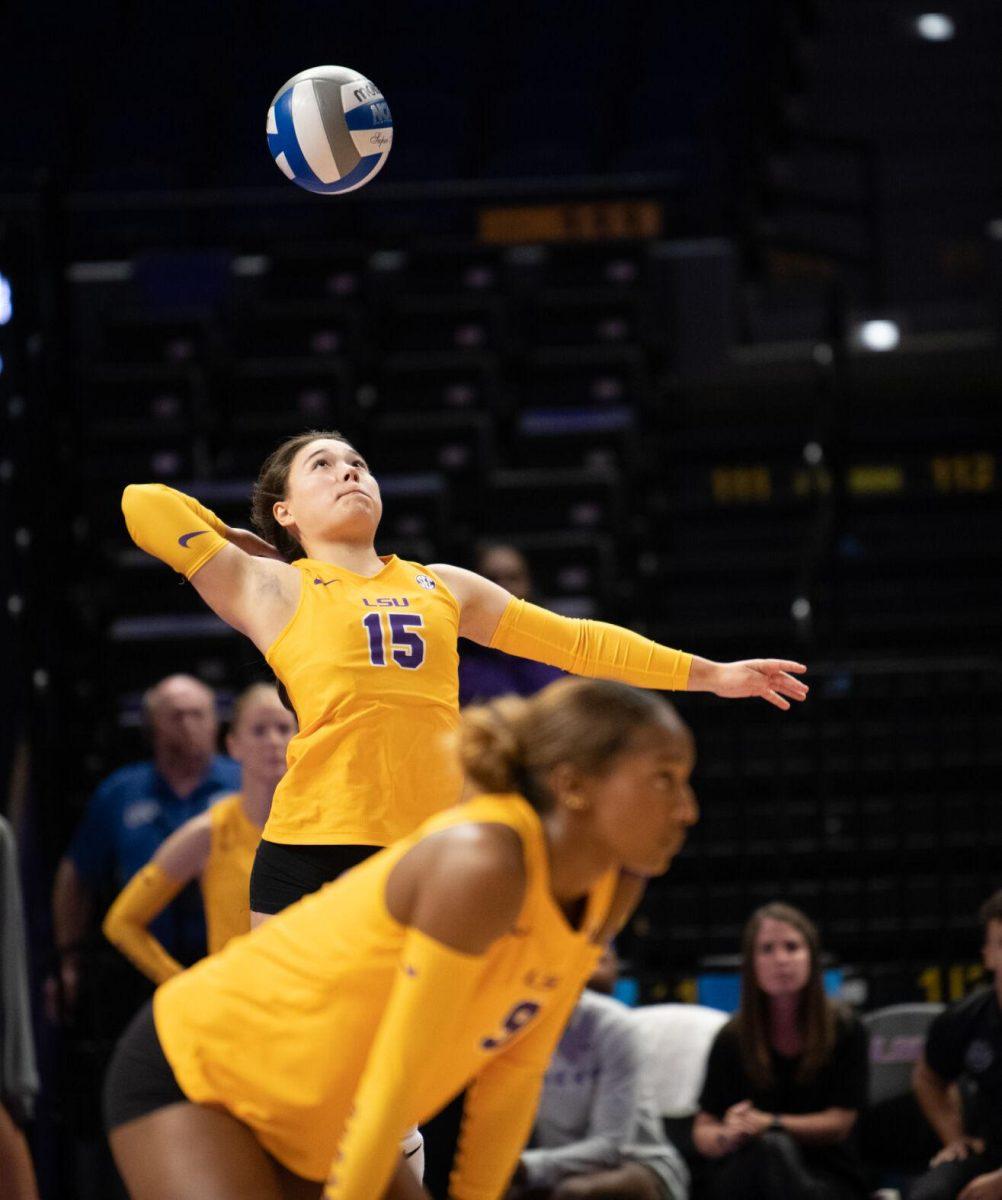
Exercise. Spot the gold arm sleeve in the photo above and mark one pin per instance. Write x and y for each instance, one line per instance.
(592, 648)
(500, 1108)
(172, 526)
(144, 897)
(433, 986)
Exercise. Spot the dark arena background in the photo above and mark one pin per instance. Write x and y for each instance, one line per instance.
(697, 303)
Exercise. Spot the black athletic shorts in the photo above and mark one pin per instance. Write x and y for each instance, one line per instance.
(139, 1078)
(284, 874)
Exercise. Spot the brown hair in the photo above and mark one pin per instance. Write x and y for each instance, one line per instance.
(815, 1015)
(511, 744)
(991, 910)
(272, 485)
(250, 696)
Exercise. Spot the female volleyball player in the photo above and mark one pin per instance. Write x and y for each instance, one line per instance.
(217, 847)
(366, 649)
(453, 958)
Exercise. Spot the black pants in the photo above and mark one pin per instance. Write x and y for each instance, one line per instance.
(772, 1168)
(139, 1078)
(948, 1180)
(284, 874)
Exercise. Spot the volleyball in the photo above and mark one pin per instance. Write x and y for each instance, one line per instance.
(329, 130)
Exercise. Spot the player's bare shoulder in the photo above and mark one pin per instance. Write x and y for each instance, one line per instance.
(464, 885)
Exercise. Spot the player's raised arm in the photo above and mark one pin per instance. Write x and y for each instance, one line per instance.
(179, 860)
(240, 576)
(495, 618)
(457, 895)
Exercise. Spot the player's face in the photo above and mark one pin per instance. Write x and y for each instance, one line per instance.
(782, 958)
(259, 740)
(643, 806)
(330, 494)
(993, 947)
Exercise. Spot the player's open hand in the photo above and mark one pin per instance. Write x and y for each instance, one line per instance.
(771, 678)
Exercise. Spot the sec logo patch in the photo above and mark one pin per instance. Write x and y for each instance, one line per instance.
(425, 582)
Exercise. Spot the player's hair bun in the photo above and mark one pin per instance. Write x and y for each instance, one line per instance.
(513, 744)
(491, 746)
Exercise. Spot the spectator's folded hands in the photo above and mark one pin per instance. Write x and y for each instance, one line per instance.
(957, 1150)
(745, 1120)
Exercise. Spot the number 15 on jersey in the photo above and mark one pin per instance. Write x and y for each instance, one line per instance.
(401, 633)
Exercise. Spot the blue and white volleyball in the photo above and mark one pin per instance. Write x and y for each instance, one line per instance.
(330, 130)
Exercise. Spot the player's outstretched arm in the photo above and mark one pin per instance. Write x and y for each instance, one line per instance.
(493, 617)
(456, 893)
(180, 859)
(239, 575)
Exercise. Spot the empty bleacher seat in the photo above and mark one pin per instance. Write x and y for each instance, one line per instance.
(458, 445)
(602, 438)
(597, 377)
(461, 324)
(260, 402)
(122, 402)
(894, 1134)
(543, 500)
(676, 1041)
(148, 338)
(297, 330)
(438, 381)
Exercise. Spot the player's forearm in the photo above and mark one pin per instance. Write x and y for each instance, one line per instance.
(126, 924)
(825, 1128)
(710, 1137)
(72, 908)
(938, 1108)
(426, 1006)
(545, 1168)
(593, 648)
(501, 1106)
(704, 675)
(172, 526)
(497, 1122)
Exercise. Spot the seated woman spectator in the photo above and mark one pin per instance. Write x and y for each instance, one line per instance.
(786, 1077)
(966, 1039)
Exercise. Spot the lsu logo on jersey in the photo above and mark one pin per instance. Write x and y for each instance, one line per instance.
(387, 602)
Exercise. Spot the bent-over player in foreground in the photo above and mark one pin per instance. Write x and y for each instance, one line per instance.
(452, 960)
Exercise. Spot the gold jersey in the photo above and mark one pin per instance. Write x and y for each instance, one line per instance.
(225, 877)
(277, 1028)
(371, 667)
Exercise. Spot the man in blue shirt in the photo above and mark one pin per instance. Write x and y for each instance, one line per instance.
(133, 811)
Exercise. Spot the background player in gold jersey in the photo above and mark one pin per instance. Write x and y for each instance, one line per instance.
(217, 847)
(304, 1050)
(366, 648)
